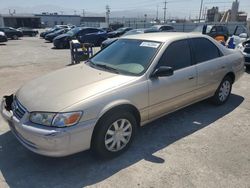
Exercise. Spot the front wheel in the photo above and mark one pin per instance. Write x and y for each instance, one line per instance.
(15, 37)
(223, 92)
(113, 134)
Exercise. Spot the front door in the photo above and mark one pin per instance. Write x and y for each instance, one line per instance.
(169, 93)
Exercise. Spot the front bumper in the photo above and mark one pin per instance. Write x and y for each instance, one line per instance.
(48, 141)
(3, 39)
(57, 43)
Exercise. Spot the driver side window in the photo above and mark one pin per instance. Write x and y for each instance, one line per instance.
(177, 55)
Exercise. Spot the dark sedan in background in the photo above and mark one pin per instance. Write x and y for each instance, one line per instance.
(50, 37)
(153, 29)
(160, 28)
(109, 41)
(55, 28)
(28, 31)
(83, 34)
(119, 32)
(3, 37)
(11, 32)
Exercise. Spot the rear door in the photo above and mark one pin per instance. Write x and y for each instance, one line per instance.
(210, 65)
(169, 93)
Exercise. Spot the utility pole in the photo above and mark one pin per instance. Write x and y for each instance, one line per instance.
(165, 11)
(107, 14)
(83, 12)
(200, 11)
(157, 13)
(145, 20)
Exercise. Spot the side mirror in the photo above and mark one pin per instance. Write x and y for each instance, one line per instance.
(163, 72)
(243, 35)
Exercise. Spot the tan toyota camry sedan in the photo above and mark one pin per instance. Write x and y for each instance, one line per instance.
(100, 103)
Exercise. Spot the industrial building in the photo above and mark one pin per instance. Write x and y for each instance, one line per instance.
(52, 19)
(20, 20)
(49, 20)
(231, 15)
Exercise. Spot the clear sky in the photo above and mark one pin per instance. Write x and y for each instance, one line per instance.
(180, 8)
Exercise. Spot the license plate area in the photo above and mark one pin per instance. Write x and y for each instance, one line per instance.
(8, 102)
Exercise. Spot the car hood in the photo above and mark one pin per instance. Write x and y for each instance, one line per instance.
(50, 34)
(62, 36)
(66, 87)
(114, 33)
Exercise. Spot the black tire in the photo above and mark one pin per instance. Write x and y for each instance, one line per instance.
(101, 131)
(217, 99)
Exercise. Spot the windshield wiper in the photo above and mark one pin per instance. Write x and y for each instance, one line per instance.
(106, 67)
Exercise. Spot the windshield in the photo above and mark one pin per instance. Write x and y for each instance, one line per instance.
(120, 30)
(74, 31)
(134, 32)
(59, 31)
(127, 56)
(154, 27)
(200, 29)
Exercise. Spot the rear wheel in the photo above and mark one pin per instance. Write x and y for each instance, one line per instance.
(223, 92)
(113, 134)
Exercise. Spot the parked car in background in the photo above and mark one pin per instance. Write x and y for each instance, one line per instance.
(107, 29)
(52, 30)
(244, 47)
(3, 37)
(119, 32)
(83, 34)
(154, 29)
(56, 28)
(99, 104)
(218, 32)
(240, 35)
(160, 28)
(28, 31)
(11, 32)
(131, 32)
(50, 37)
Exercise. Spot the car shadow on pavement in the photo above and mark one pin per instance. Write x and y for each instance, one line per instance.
(21, 168)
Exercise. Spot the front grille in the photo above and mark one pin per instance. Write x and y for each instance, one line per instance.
(247, 50)
(18, 109)
(247, 59)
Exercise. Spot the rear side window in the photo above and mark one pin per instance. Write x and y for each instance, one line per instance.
(177, 55)
(204, 50)
(166, 28)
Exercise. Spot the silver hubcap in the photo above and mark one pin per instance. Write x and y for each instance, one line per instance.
(118, 135)
(224, 90)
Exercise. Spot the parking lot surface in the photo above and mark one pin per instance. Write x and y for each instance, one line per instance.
(200, 146)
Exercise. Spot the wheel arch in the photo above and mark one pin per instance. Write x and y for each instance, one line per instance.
(120, 105)
(231, 75)
(109, 109)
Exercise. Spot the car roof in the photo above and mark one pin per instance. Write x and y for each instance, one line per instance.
(163, 36)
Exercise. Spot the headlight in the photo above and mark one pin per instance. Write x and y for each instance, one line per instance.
(66, 119)
(55, 119)
(42, 118)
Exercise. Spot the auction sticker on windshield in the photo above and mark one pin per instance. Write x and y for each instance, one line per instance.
(150, 44)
